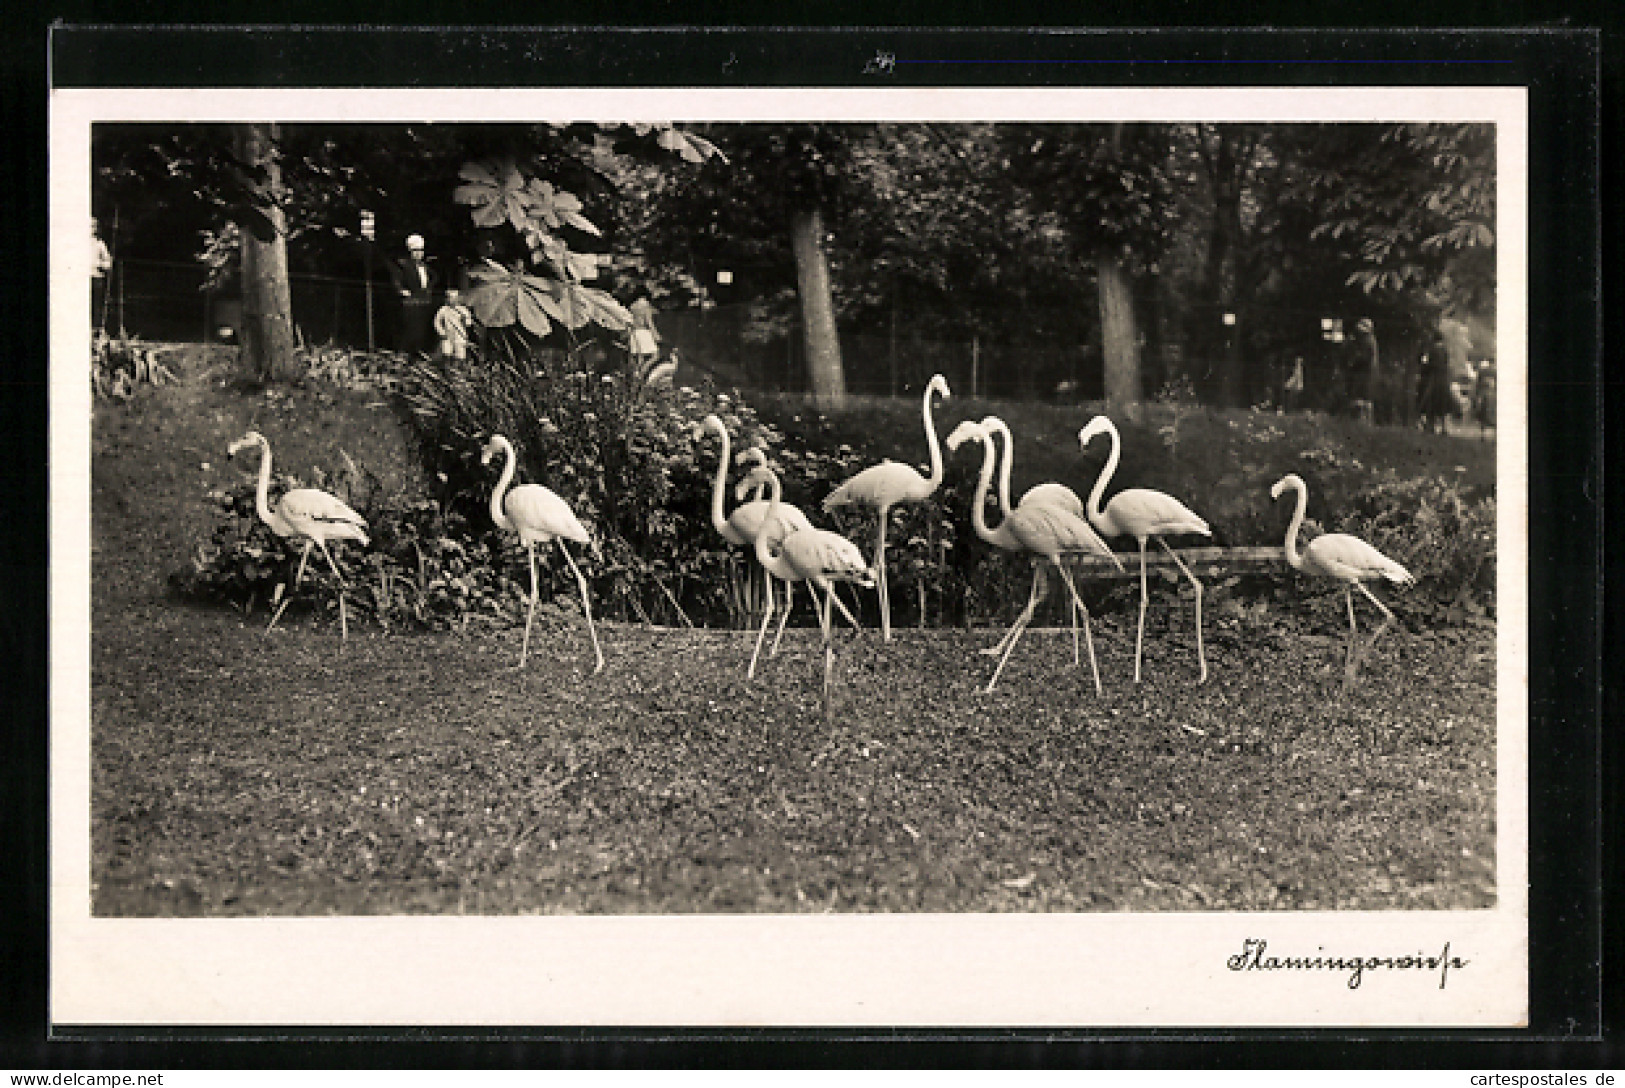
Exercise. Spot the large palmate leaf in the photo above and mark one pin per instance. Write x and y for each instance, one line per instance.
(591, 306)
(554, 208)
(687, 145)
(497, 193)
(501, 297)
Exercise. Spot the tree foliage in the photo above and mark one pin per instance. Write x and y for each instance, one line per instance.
(1415, 205)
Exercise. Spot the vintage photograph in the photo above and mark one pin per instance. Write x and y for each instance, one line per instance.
(918, 521)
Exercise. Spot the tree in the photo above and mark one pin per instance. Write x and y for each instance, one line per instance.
(768, 204)
(1103, 193)
(1410, 210)
(548, 287)
(1230, 156)
(267, 335)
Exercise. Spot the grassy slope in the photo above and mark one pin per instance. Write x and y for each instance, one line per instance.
(234, 773)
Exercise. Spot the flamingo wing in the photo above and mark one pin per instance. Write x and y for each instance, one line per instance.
(321, 516)
(878, 487)
(540, 516)
(817, 553)
(747, 519)
(1141, 512)
(1338, 555)
(1054, 495)
(1050, 531)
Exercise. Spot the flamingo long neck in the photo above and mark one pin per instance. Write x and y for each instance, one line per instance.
(1096, 512)
(978, 505)
(935, 479)
(1004, 464)
(262, 496)
(764, 538)
(719, 521)
(498, 513)
(1293, 557)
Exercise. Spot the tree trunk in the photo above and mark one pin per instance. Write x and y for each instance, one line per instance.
(267, 303)
(825, 376)
(1226, 152)
(1119, 336)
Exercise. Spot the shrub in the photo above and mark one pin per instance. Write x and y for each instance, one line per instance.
(1441, 536)
(629, 457)
(383, 371)
(425, 568)
(118, 366)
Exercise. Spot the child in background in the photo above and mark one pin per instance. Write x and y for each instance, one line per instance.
(451, 325)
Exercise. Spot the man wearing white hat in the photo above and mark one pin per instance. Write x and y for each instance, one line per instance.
(416, 283)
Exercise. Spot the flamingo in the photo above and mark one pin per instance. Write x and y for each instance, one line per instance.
(745, 524)
(303, 512)
(1346, 558)
(1052, 493)
(539, 517)
(1056, 494)
(811, 555)
(1142, 513)
(880, 487)
(1046, 531)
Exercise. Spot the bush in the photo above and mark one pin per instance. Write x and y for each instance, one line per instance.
(118, 366)
(424, 569)
(383, 371)
(1437, 533)
(629, 457)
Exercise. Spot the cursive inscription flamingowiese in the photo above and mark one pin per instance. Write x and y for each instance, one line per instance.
(1252, 957)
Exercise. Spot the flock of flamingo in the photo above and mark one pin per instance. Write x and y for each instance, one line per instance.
(1050, 523)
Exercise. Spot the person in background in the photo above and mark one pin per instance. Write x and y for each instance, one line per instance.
(1484, 397)
(451, 324)
(645, 339)
(101, 262)
(416, 284)
(1292, 392)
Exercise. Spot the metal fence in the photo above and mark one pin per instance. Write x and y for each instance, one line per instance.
(171, 300)
(726, 343)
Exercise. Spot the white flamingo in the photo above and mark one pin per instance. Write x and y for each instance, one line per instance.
(882, 486)
(539, 517)
(1346, 558)
(811, 555)
(304, 512)
(1054, 494)
(1142, 513)
(745, 523)
(1045, 531)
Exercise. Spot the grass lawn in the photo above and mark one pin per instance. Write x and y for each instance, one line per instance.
(234, 773)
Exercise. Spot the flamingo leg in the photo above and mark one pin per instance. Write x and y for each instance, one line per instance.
(586, 606)
(789, 603)
(849, 617)
(344, 626)
(998, 648)
(297, 575)
(824, 622)
(1348, 656)
(1201, 657)
(1072, 610)
(1139, 632)
(530, 612)
(1039, 587)
(1388, 618)
(1077, 603)
(767, 617)
(880, 569)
